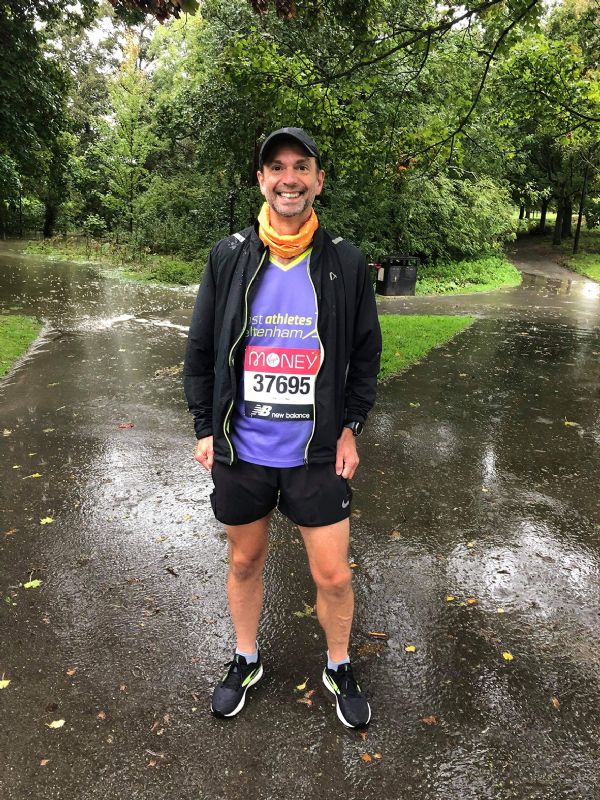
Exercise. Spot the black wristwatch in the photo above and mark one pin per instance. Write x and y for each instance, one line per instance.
(355, 427)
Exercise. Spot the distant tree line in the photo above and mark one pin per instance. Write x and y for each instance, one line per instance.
(435, 121)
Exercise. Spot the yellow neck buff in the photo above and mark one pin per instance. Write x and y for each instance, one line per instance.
(282, 245)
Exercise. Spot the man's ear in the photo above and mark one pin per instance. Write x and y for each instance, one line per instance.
(261, 179)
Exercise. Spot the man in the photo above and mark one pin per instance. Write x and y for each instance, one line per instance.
(280, 374)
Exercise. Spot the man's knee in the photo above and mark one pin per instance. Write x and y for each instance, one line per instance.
(244, 566)
(334, 581)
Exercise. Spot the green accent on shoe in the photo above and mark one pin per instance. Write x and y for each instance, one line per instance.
(250, 677)
(332, 684)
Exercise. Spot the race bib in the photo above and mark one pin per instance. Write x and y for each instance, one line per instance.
(279, 383)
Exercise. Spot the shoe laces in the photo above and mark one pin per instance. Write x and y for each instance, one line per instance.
(346, 681)
(235, 674)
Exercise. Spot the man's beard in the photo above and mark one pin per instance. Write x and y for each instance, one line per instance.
(288, 212)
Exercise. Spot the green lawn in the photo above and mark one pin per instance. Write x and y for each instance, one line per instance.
(407, 339)
(587, 260)
(16, 334)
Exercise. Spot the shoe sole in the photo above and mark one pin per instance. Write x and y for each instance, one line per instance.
(240, 705)
(341, 717)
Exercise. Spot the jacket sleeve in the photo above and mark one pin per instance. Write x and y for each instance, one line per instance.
(365, 355)
(199, 362)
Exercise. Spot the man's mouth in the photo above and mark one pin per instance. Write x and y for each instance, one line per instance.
(290, 195)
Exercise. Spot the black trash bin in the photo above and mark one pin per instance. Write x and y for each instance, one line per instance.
(397, 275)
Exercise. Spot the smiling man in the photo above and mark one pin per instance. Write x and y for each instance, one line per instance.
(280, 374)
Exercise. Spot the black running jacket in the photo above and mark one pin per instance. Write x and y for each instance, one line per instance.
(347, 326)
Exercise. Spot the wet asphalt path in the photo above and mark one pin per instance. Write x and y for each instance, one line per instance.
(471, 487)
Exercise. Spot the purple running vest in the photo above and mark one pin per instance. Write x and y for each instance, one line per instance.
(273, 417)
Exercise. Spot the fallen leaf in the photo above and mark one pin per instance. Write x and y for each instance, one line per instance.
(35, 475)
(44, 761)
(46, 521)
(101, 715)
(366, 758)
(499, 611)
(470, 544)
(310, 693)
(430, 720)
(363, 735)
(48, 430)
(378, 634)
(507, 656)
(569, 424)
(410, 648)
(353, 565)
(6, 432)
(122, 687)
(471, 600)
(11, 532)
(71, 672)
(35, 584)
(301, 686)
(394, 534)
(483, 489)
(304, 700)
(58, 723)
(414, 405)
(125, 425)
(4, 682)
(555, 702)
(450, 598)
(377, 755)
(308, 611)
(153, 762)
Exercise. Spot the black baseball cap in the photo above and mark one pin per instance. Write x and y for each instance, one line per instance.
(298, 135)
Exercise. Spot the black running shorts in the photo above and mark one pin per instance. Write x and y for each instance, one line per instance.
(310, 496)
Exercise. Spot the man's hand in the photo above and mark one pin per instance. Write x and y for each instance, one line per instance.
(204, 452)
(347, 459)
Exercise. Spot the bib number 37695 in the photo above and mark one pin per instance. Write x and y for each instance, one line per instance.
(279, 383)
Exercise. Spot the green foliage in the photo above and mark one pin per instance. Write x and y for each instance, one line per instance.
(592, 213)
(478, 275)
(470, 275)
(407, 339)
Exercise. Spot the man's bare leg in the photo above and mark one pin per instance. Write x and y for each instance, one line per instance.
(327, 550)
(248, 545)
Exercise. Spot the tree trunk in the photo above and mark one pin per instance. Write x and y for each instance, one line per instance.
(560, 211)
(522, 211)
(49, 220)
(528, 213)
(567, 227)
(581, 206)
(544, 211)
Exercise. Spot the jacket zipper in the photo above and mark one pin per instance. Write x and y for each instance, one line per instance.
(322, 355)
(231, 359)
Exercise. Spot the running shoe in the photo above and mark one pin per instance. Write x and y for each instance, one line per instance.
(351, 705)
(229, 694)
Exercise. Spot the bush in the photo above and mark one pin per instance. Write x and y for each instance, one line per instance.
(592, 213)
(482, 274)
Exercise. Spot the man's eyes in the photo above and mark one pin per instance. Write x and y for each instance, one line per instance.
(279, 167)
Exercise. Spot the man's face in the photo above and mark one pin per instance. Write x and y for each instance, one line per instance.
(290, 180)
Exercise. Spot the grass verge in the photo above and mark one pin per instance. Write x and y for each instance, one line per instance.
(127, 262)
(407, 339)
(587, 261)
(16, 334)
(465, 277)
